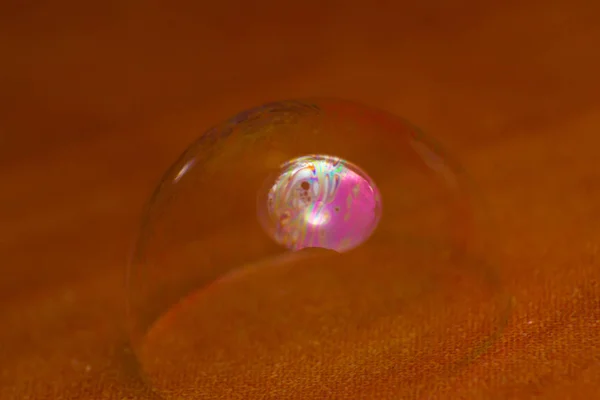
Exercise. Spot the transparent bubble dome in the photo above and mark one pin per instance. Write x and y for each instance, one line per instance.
(312, 249)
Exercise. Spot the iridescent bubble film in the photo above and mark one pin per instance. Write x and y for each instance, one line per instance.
(300, 240)
(320, 201)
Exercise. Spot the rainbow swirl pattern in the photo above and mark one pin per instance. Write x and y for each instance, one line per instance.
(322, 201)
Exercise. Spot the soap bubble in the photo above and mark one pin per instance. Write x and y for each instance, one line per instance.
(303, 248)
(320, 201)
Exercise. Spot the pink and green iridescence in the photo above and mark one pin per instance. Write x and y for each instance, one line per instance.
(323, 201)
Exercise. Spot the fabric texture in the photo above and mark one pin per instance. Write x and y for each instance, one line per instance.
(103, 100)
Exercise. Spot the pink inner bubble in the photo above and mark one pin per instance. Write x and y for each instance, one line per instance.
(322, 201)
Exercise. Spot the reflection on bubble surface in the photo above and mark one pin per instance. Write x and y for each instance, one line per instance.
(320, 201)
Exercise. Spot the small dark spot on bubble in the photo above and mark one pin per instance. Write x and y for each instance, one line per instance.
(337, 209)
(305, 185)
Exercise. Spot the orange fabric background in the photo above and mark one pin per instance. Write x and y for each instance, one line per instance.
(97, 101)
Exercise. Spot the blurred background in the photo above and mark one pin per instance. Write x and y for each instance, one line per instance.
(97, 99)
